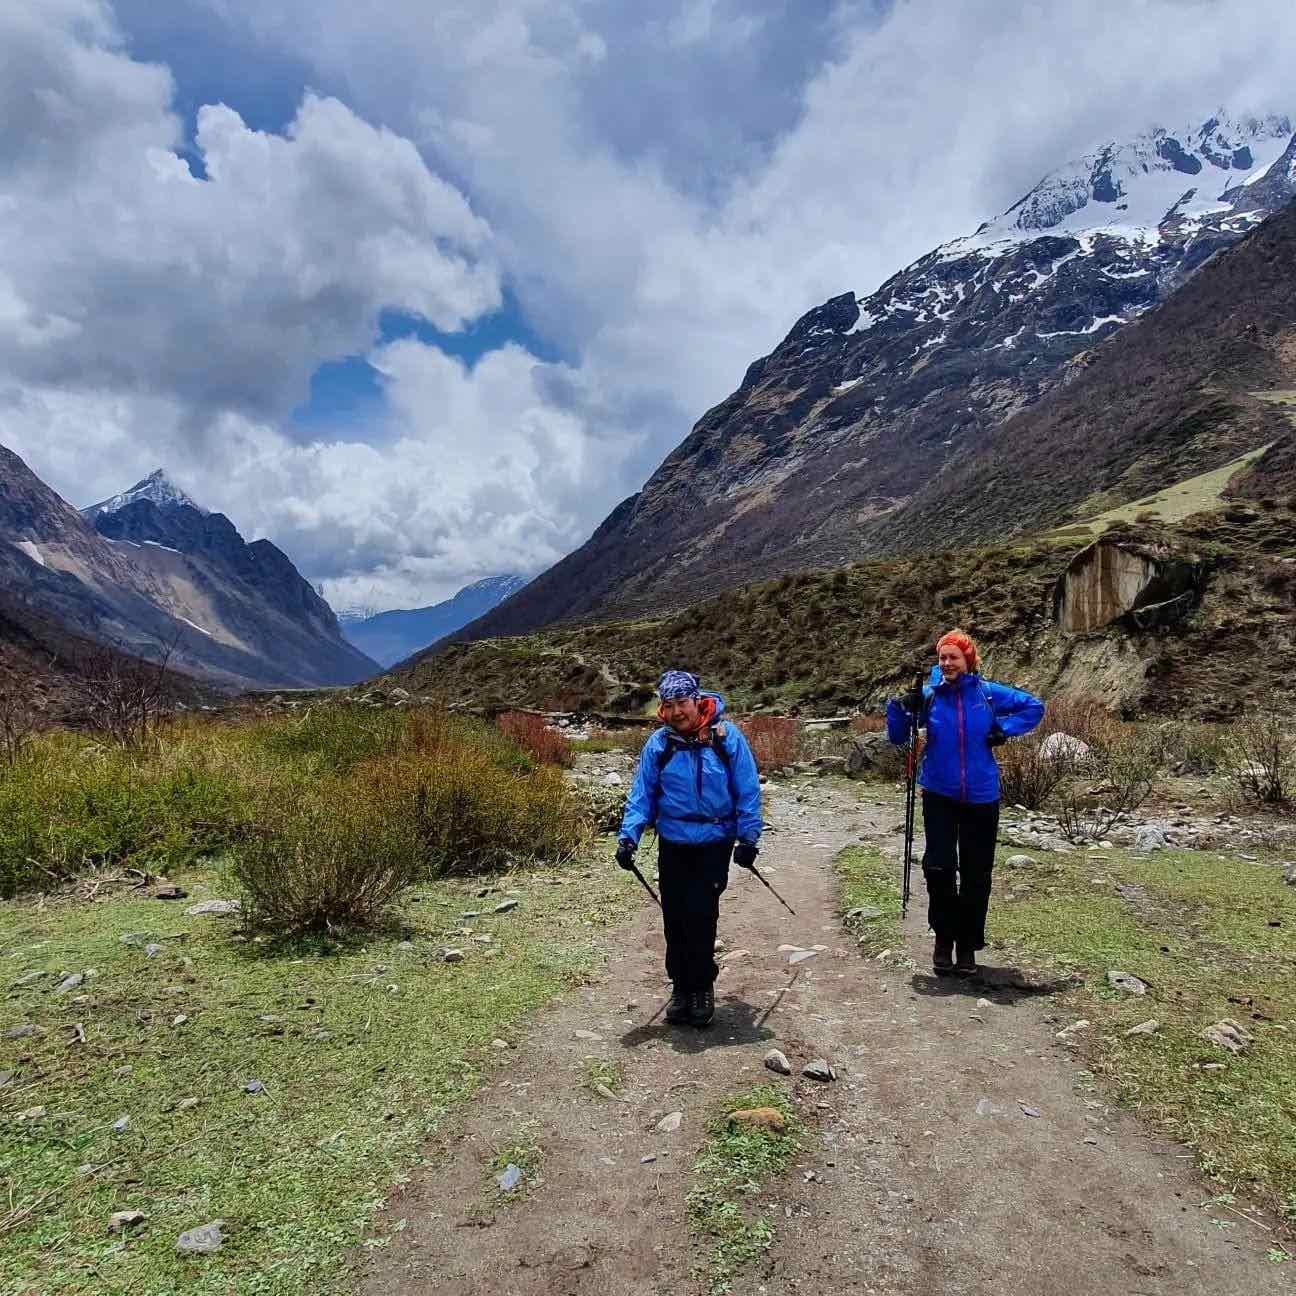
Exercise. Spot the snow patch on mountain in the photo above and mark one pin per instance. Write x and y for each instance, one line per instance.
(156, 487)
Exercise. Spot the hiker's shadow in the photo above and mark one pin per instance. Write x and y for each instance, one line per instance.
(736, 1023)
(1005, 985)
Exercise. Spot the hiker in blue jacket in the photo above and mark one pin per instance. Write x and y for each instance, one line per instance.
(965, 716)
(697, 785)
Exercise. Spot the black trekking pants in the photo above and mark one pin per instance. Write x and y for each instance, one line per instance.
(691, 879)
(957, 863)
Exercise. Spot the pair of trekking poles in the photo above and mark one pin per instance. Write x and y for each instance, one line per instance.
(634, 868)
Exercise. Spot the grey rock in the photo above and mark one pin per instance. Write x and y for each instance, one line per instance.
(151, 951)
(1148, 839)
(818, 1069)
(592, 1037)
(214, 908)
(70, 982)
(1029, 1111)
(864, 913)
(505, 905)
(801, 955)
(1289, 873)
(1063, 747)
(777, 1061)
(28, 978)
(6, 1078)
(203, 1240)
(25, 1031)
(1149, 1027)
(649, 1159)
(986, 1108)
(1021, 861)
(453, 956)
(1127, 982)
(670, 1122)
(509, 1178)
(254, 1087)
(1230, 1035)
(120, 1221)
(133, 938)
(121, 1124)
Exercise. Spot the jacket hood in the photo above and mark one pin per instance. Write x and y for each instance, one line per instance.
(719, 701)
(935, 679)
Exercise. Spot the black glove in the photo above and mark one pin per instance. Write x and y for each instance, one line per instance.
(912, 701)
(625, 853)
(996, 737)
(745, 855)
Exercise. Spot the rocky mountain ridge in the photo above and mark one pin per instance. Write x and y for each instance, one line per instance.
(820, 454)
(149, 569)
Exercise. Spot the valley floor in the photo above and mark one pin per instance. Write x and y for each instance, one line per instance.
(961, 1149)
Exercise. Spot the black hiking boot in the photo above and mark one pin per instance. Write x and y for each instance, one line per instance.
(943, 956)
(677, 1011)
(965, 965)
(702, 1007)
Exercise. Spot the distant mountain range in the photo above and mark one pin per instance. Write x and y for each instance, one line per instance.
(390, 637)
(149, 568)
(871, 428)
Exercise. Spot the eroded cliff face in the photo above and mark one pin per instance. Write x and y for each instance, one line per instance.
(1112, 580)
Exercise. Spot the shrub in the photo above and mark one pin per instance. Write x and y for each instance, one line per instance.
(872, 722)
(1026, 776)
(1126, 769)
(531, 733)
(775, 741)
(1260, 757)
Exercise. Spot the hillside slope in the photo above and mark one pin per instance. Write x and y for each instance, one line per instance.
(822, 453)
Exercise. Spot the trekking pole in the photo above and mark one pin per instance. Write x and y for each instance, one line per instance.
(911, 796)
(644, 880)
(774, 893)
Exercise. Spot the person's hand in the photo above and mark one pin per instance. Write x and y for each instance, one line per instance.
(996, 737)
(912, 700)
(625, 853)
(745, 855)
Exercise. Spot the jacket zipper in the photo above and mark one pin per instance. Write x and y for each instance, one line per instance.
(958, 702)
(697, 778)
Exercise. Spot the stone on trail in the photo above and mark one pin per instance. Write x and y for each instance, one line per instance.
(215, 908)
(70, 982)
(604, 1092)
(801, 955)
(732, 956)
(777, 1061)
(864, 913)
(1230, 1035)
(1068, 1033)
(203, 1240)
(453, 956)
(986, 1108)
(509, 1178)
(1149, 1027)
(1021, 861)
(592, 1037)
(790, 949)
(1028, 1111)
(1149, 839)
(500, 1044)
(505, 906)
(120, 1221)
(1128, 982)
(818, 1069)
(1289, 873)
(670, 1122)
(984, 1003)
(769, 1119)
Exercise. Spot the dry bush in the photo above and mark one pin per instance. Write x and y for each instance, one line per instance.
(775, 741)
(630, 741)
(121, 698)
(532, 734)
(1125, 769)
(1260, 757)
(1080, 717)
(1027, 777)
(19, 721)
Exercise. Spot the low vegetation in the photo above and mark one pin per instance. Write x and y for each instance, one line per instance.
(532, 734)
(735, 1164)
(1213, 936)
(359, 1049)
(869, 887)
(775, 741)
(322, 818)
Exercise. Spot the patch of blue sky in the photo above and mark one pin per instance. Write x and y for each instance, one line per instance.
(346, 394)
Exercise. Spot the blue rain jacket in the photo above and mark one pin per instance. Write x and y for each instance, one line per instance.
(957, 761)
(693, 799)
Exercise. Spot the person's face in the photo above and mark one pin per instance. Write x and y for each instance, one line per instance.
(681, 713)
(952, 663)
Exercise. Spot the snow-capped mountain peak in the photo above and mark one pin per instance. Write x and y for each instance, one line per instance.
(157, 487)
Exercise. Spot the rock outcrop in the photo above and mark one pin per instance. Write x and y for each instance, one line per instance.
(1114, 579)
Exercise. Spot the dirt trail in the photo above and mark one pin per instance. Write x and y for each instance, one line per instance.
(901, 1186)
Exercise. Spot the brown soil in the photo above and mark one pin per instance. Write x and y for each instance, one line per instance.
(900, 1186)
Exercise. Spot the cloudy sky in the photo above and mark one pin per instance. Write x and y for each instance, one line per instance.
(420, 289)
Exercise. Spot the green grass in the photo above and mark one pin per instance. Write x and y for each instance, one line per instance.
(1196, 927)
(520, 1149)
(868, 879)
(1193, 495)
(733, 1165)
(357, 1075)
(606, 1072)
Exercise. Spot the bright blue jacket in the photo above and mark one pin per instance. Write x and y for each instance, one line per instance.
(957, 761)
(693, 799)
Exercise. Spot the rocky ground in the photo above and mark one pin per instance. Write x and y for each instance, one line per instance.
(961, 1148)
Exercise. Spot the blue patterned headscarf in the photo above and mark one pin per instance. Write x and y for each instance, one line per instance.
(678, 684)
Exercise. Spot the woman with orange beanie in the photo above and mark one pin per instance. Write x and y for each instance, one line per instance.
(965, 716)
